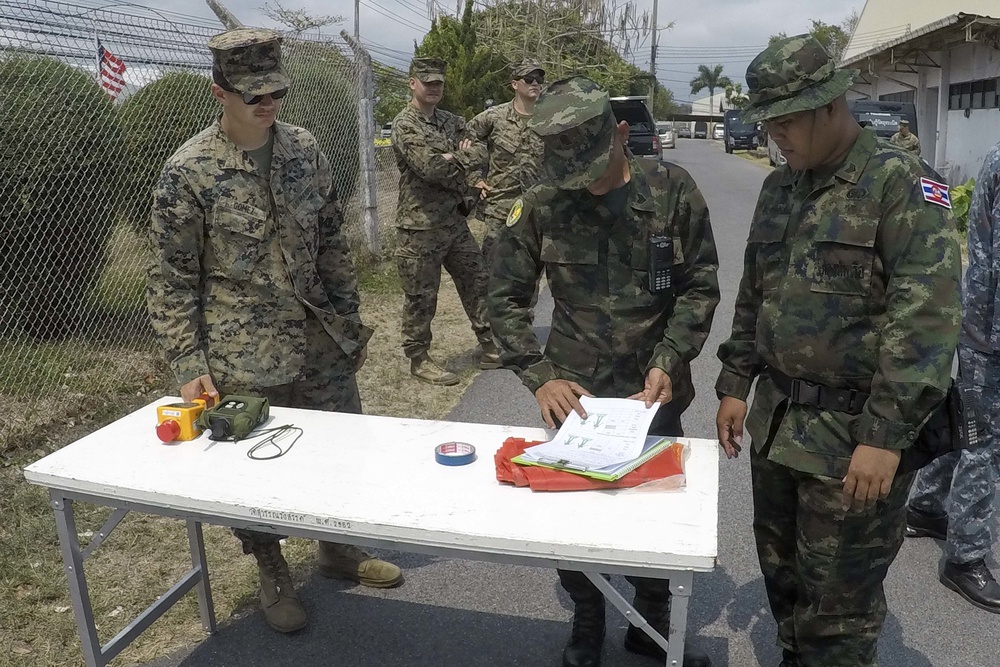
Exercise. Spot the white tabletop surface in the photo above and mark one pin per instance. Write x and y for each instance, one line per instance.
(376, 477)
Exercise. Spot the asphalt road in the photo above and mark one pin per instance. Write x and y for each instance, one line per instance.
(454, 613)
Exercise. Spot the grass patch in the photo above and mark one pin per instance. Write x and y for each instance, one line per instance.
(757, 156)
(145, 554)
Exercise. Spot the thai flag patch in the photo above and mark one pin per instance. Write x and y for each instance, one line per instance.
(935, 193)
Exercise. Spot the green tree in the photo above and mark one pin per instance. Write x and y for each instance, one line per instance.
(155, 126)
(710, 78)
(60, 185)
(735, 96)
(834, 38)
(391, 91)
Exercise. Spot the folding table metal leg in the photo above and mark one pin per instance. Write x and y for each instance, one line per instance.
(69, 544)
(197, 541)
(680, 590)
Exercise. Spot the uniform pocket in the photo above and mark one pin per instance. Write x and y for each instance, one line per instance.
(767, 237)
(237, 241)
(570, 354)
(842, 267)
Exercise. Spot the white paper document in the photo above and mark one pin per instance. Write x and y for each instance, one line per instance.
(613, 432)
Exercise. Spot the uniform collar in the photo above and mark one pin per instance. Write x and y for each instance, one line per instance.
(853, 165)
(641, 198)
(235, 158)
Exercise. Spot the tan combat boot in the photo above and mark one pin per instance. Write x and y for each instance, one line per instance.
(346, 561)
(278, 600)
(424, 368)
(490, 357)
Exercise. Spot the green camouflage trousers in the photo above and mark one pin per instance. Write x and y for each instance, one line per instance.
(823, 568)
(420, 255)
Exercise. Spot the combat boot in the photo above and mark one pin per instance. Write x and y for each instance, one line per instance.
(656, 611)
(974, 582)
(278, 600)
(490, 356)
(789, 659)
(346, 561)
(587, 640)
(423, 368)
(922, 524)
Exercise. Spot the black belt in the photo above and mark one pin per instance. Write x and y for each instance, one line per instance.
(831, 399)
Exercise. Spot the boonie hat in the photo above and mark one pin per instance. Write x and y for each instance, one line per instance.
(428, 70)
(793, 74)
(250, 60)
(577, 126)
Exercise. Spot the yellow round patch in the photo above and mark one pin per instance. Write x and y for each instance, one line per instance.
(515, 213)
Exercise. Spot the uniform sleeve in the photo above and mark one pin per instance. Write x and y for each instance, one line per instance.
(411, 146)
(741, 363)
(333, 260)
(919, 248)
(172, 290)
(697, 285)
(517, 268)
(478, 131)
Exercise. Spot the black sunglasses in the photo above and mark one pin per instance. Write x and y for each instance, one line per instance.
(531, 78)
(250, 99)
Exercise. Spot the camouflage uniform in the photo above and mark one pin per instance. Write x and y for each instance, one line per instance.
(432, 231)
(512, 155)
(851, 280)
(909, 142)
(963, 484)
(608, 328)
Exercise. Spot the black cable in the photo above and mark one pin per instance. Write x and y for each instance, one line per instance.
(274, 435)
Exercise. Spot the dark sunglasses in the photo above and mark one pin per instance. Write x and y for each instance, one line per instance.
(531, 78)
(251, 100)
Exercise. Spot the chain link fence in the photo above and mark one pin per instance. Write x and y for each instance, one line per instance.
(79, 161)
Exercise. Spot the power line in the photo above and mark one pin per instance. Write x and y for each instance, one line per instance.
(392, 16)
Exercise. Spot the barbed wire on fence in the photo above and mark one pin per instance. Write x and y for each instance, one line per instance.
(78, 167)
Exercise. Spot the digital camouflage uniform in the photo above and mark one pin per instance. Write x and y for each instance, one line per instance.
(909, 142)
(432, 232)
(608, 328)
(851, 280)
(963, 484)
(511, 154)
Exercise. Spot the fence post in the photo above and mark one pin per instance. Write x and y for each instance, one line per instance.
(366, 143)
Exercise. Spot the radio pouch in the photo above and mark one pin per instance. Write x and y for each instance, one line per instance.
(234, 417)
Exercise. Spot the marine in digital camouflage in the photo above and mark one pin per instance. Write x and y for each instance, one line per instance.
(250, 60)
(906, 141)
(962, 485)
(850, 280)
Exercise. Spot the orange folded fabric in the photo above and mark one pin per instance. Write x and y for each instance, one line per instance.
(666, 464)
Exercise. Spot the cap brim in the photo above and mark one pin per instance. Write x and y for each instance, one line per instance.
(806, 100)
(578, 169)
(262, 84)
(429, 78)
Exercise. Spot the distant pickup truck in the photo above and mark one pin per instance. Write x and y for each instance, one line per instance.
(643, 139)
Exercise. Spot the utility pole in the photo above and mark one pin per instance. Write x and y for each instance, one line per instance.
(226, 16)
(366, 143)
(357, 20)
(652, 62)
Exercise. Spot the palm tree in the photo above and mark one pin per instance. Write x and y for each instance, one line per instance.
(709, 78)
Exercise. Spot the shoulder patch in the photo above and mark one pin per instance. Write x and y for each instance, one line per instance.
(515, 212)
(935, 193)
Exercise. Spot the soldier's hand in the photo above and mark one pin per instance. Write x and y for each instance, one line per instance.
(557, 398)
(465, 144)
(483, 188)
(360, 360)
(197, 387)
(869, 477)
(658, 388)
(729, 424)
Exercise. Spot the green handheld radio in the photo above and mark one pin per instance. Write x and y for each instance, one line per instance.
(234, 417)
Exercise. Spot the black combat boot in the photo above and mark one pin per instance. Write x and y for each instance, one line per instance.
(922, 524)
(656, 610)
(587, 640)
(974, 582)
(789, 659)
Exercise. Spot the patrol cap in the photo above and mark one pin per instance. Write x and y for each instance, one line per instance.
(524, 68)
(573, 117)
(428, 70)
(250, 60)
(793, 74)
(903, 121)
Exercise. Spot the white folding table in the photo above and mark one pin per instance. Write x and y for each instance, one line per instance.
(373, 481)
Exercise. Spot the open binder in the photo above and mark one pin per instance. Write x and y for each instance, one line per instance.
(653, 446)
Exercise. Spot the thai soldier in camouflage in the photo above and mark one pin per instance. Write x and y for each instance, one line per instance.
(509, 151)
(850, 288)
(589, 226)
(954, 497)
(905, 139)
(434, 159)
(252, 289)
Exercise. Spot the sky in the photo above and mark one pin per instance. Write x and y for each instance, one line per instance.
(710, 32)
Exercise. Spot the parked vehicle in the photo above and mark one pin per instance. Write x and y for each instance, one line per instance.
(718, 131)
(774, 155)
(386, 131)
(666, 132)
(884, 117)
(643, 140)
(701, 130)
(683, 130)
(737, 134)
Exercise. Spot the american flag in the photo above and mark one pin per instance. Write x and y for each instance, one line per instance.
(112, 71)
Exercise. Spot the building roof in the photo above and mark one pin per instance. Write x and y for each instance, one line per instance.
(935, 36)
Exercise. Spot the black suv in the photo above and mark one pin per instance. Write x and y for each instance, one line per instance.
(643, 140)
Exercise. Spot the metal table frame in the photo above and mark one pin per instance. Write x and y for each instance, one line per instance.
(97, 655)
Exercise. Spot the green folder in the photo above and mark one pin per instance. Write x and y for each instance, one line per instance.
(654, 445)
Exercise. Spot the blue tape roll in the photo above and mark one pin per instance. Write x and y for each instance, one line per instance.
(454, 453)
